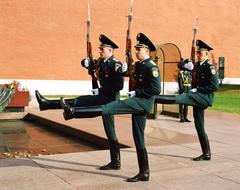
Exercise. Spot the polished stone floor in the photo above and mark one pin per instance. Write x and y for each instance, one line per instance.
(23, 139)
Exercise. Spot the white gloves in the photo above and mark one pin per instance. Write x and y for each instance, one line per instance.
(193, 90)
(124, 67)
(131, 94)
(95, 91)
(189, 66)
(86, 63)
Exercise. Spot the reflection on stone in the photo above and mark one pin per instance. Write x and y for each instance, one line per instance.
(25, 139)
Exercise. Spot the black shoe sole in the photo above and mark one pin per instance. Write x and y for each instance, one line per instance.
(201, 158)
(136, 180)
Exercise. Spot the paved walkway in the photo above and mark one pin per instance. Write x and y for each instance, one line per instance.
(170, 144)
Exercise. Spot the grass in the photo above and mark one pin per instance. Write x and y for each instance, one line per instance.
(227, 99)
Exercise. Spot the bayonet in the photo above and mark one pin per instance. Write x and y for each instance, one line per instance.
(92, 65)
(193, 51)
(128, 52)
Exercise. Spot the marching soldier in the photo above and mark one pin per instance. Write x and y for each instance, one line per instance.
(147, 85)
(200, 97)
(184, 84)
(110, 76)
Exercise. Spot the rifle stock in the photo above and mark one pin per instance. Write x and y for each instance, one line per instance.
(92, 66)
(194, 82)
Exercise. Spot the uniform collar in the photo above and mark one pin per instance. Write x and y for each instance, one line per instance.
(201, 63)
(143, 61)
(105, 60)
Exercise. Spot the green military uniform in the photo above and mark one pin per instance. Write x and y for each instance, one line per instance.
(184, 84)
(184, 81)
(147, 79)
(206, 83)
(147, 85)
(146, 75)
(111, 81)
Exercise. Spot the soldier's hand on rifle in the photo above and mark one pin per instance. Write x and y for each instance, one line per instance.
(124, 68)
(131, 93)
(189, 65)
(193, 90)
(85, 63)
(95, 91)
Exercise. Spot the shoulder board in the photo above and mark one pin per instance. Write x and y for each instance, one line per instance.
(152, 62)
(114, 59)
(208, 62)
(211, 65)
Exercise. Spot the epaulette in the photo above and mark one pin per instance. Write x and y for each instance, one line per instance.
(208, 62)
(114, 59)
(152, 62)
(211, 64)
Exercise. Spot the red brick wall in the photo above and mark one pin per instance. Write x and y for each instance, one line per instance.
(46, 39)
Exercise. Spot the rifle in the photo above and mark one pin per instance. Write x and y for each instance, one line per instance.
(128, 51)
(92, 63)
(192, 57)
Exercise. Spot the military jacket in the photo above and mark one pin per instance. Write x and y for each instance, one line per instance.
(110, 79)
(207, 82)
(184, 81)
(207, 78)
(147, 78)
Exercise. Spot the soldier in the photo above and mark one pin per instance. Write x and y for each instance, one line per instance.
(184, 84)
(110, 75)
(200, 97)
(147, 85)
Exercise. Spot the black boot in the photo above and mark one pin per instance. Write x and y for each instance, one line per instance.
(79, 112)
(181, 116)
(205, 149)
(115, 163)
(165, 99)
(185, 113)
(45, 104)
(143, 174)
